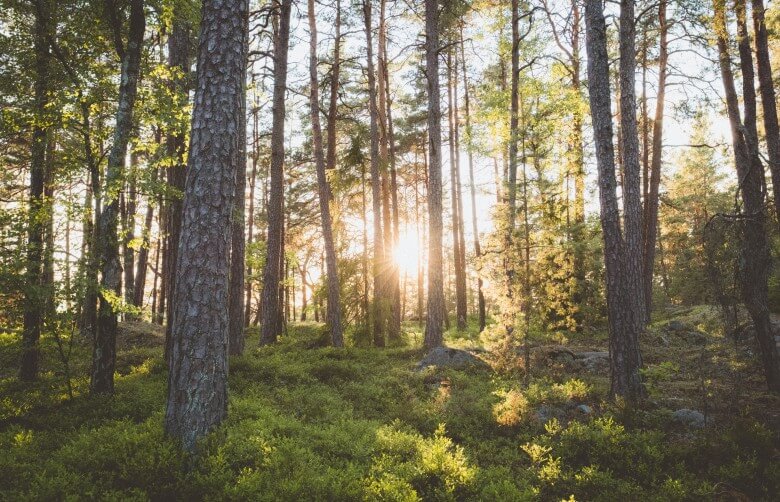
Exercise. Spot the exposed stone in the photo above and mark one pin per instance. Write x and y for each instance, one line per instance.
(594, 361)
(689, 418)
(443, 357)
(584, 409)
(545, 413)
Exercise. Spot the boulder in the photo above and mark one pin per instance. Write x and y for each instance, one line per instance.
(689, 418)
(593, 361)
(585, 409)
(686, 331)
(443, 357)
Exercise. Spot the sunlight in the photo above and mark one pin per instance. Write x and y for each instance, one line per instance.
(406, 254)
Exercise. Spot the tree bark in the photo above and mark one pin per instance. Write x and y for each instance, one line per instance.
(272, 294)
(104, 351)
(334, 302)
(197, 382)
(33, 305)
(625, 321)
(139, 288)
(379, 304)
(651, 200)
(768, 100)
(433, 326)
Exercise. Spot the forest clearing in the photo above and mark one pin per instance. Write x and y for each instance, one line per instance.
(379, 250)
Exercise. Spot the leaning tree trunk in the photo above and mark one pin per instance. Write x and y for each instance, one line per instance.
(334, 303)
(197, 382)
(624, 324)
(378, 305)
(104, 352)
(433, 326)
(271, 299)
(33, 304)
(768, 100)
(650, 224)
(754, 259)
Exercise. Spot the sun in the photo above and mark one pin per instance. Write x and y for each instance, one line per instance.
(406, 253)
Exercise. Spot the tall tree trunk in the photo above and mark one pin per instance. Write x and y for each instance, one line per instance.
(651, 200)
(128, 224)
(625, 322)
(139, 288)
(469, 150)
(238, 250)
(379, 303)
(335, 69)
(768, 100)
(271, 296)
(179, 55)
(33, 294)
(197, 382)
(251, 211)
(754, 259)
(334, 302)
(104, 352)
(433, 331)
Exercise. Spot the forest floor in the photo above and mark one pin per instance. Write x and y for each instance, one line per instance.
(308, 422)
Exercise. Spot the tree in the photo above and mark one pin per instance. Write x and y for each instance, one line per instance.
(625, 317)
(433, 326)
(334, 303)
(197, 382)
(272, 273)
(104, 351)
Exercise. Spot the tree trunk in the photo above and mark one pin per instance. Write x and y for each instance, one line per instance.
(625, 322)
(271, 296)
(472, 186)
(334, 302)
(128, 225)
(251, 211)
(179, 62)
(379, 303)
(104, 352)
(139, 288)
(197, 382)
(768, 100)
(33, 305)
(433, 331)
(651, 200)
(754, 259)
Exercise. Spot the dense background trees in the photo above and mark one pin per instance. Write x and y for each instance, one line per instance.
(409, 174)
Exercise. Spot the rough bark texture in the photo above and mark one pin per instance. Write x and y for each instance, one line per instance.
(271, 299)
(104, 351)
(238, 250)
(197, 382)
(33, 304)
(754, 259)
(768, 100)
(624, 321)
(378, 307)
(179, 61)
(650, 224)
(433, 326)
(334, 302)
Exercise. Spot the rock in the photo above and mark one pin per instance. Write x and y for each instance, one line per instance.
(687, 332)
(584, 409)
(689, 418)
(676, 325)
(593, 361)
(443, 357)
(550, 353)
(545, 413)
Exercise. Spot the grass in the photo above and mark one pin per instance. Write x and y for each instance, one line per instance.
(314, 423)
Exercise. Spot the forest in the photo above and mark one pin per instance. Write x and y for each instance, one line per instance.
(400, 250)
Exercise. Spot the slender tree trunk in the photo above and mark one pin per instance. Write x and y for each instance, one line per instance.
(651, 199)
(197, 382)
(128, 224)
(768, 100)
(33, 294)
(271, 296)
(625, 322)
(754, 259)
(334, 302)
(251, 221)
(179, 62)
(238, 250)
(433, 331)
(104, 353)
(472, 185)
(139, 289)
(378, 305)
